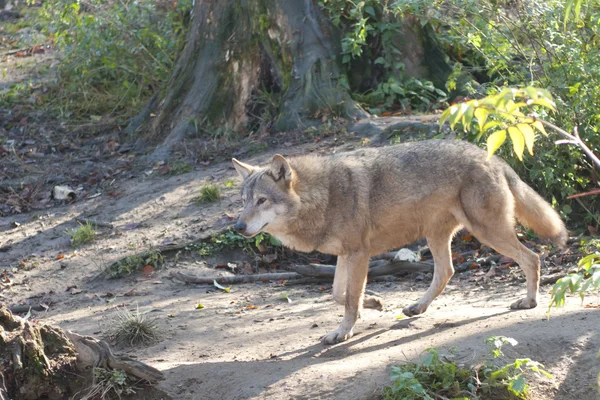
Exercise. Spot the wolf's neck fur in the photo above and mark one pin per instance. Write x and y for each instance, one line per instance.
(310, 182)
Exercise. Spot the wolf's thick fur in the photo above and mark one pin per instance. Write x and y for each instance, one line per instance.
(364, 202)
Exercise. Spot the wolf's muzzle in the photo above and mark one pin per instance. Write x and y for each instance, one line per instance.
(240, 227)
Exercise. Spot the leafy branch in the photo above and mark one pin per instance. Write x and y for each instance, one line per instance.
(502, 113)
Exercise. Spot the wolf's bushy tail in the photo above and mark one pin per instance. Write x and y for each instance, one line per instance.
(532, 210)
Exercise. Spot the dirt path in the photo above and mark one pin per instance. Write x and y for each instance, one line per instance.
(229, 351)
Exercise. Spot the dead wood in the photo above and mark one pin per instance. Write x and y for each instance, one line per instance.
(551, 279)
(278, 276)
(311, 273)
(23, 308)
(376, 268)
(40, 361)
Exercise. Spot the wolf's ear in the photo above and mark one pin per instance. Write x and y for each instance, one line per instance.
(280, 168)
(245, 170)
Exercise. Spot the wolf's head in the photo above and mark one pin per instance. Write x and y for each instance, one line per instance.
(269, 198)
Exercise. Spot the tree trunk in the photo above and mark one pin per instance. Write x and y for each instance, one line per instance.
(243, 56)
(41, 361)
(260, 63)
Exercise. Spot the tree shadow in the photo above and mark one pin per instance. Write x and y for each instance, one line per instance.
(541, 340)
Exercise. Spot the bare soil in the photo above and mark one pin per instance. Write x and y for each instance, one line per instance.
(228, 350)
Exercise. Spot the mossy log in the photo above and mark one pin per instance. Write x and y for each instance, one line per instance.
(43, 361)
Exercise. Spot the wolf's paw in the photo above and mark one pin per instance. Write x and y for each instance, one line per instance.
(413, 309)
(524, 304)
(337, 336)
(373, 302)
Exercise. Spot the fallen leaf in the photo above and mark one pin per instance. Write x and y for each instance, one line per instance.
(400, 316)
(252, 307)
(199, 306)
(148, 270)
(60, 256)
(223, 288)
(285, 296)
(112, 146)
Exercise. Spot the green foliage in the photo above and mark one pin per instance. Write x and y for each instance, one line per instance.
(437, 376)
(115, 54)
(541, 43)
(231, 239)
(109, 383)
(502, 113)
(81, 235)
(587, 278)
(134, 263)
(209, 194)
(369, 29)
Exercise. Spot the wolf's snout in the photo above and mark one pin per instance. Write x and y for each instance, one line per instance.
(240, 227)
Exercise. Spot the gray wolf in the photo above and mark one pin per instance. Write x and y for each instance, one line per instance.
(362, 203)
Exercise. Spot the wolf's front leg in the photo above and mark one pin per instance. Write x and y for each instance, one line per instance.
(356, 268)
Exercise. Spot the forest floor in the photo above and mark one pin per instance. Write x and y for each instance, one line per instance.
(249, 342)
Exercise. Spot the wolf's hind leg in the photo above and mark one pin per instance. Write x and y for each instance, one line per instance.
(491, 220)
(439, 245)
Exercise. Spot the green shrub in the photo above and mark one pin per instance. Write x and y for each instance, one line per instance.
(369, 29)
(115, 54)
(437, 376)
(134, 263)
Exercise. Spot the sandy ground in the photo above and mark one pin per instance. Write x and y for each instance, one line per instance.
(230, 351)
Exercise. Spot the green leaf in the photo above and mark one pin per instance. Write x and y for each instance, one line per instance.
(532, 92)
(544, 102)
(223, 288)
(518, 141)
(199, 306)
(370, 10)
(494, 141)
(468, 117)
(457, 114)
(284, 296)
(481, 114)
(540, 127)
(518, 385)
(528, 134)
(445, 115)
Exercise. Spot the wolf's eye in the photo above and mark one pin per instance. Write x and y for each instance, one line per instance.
(260, 201)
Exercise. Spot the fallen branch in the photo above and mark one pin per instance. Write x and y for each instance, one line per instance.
(23, 308)
(101, 224)
(311, 273)
(278, 276)
(376, 268)
(551, 279)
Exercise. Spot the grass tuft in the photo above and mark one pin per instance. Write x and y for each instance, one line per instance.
(133, 328)
(209, 194)
(81, 235)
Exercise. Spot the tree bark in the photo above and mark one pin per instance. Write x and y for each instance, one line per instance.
(272, 64)
(239, 52)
